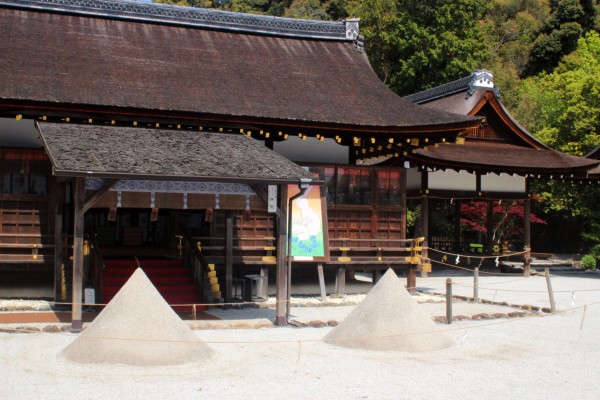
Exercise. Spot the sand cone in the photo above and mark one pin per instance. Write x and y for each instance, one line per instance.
(389, 319)
(137, 327)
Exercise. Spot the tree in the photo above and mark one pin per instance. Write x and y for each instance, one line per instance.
(508, 219)
(563, 108)
(509, 28)
(417, 44)
(567, 22)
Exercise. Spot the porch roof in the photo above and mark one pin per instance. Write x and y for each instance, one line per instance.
(139, 153)
(502, 157)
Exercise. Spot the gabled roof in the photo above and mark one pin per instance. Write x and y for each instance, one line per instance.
(143, 60)
(501, 145)
(77, 150)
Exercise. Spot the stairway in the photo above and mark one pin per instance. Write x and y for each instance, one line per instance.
(170, 277)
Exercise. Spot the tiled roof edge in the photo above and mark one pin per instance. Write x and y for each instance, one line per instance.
(480, 78)
(196, 17)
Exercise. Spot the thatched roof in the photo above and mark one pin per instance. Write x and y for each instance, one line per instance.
(122, 58)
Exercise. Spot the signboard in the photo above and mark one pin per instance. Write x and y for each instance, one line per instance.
(272, 199)
(309, 238)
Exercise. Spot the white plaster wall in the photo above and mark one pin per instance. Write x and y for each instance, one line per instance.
(452, 180)
(503, 183)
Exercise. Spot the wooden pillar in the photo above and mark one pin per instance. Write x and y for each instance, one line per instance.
(489, 225)
(228, 259)
(78, 214)
(281, 273)
(58, 211)
(403, 203)
(425, 233)
(527, 237)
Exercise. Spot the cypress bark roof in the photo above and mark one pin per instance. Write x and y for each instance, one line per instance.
(501, 145)
(136, 153)
(116, 62)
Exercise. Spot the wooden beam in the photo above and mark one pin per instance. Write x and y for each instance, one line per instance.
(58, 211)
(78, 214)
(281, 274)
(91, 200)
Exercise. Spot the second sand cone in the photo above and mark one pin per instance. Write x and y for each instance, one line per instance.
(389, 319)
(138, 327)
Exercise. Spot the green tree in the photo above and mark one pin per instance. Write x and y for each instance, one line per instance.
(417, 44)
(567, 22)
(563, 108)
(509, 29)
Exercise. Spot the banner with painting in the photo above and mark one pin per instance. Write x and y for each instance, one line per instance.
(310, 241)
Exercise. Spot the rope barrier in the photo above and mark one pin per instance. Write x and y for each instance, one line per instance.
(470, 270)
(478, 257)
(530, 291)
(296, 341)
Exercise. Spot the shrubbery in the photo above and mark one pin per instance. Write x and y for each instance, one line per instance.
(588, 262)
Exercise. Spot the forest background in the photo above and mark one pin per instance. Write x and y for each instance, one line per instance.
(545, 57)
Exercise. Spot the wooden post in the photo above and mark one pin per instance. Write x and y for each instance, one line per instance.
(550, 291)
(263, 285)
(322, 282)
(228, 259)
(527, 237)
(79, 199)
(448, 301)
(411, 280)
(340, 281)
(281, 274)
(424, 230)
(403, 175)
(58, 209)
(476, 285)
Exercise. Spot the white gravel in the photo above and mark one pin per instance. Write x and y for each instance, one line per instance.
(535, 357)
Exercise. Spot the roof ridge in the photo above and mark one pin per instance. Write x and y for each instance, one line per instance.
(197, 17)
(479, 78)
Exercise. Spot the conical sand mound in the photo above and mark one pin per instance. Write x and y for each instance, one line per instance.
(137, 327)
(389, 319)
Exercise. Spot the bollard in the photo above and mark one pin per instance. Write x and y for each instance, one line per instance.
(476, 285)
(448, 301)
(550, 292)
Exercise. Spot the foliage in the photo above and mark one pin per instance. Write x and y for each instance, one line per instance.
(416, 44)
(509, 28)
(507, 219)
(588, 262)
(567, 22)
(563, 108)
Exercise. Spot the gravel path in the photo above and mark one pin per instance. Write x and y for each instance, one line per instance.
(540, 356)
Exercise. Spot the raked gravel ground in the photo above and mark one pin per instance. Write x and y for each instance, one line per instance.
(539, 356)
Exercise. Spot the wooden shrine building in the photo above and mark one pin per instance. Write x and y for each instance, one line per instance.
(141, 122)
(497, 161)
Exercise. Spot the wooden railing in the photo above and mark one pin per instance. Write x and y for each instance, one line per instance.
(191, 254)
(375, 252)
